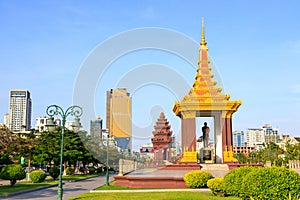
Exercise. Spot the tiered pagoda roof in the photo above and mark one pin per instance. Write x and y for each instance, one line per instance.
(162, 134)
(204, 94)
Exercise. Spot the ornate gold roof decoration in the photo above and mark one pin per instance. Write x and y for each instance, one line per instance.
(204, 95)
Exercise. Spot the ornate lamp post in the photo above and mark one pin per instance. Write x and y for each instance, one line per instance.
(55, 110)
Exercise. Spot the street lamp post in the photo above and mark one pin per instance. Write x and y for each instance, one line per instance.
(55, 110)
(107, 177)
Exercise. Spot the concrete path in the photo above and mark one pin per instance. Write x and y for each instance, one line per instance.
(70, 189)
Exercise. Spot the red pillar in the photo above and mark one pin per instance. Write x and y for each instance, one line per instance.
(229, 133)
(224, 134)
(188, 134)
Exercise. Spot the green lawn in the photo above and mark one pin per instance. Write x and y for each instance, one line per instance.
(151, 196)
(146, 195)
(7, 189)
(112, 187)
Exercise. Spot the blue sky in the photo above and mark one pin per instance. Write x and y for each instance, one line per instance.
(255, 47)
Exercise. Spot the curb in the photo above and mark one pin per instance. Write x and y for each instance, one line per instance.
(84, 179)
(26, 191)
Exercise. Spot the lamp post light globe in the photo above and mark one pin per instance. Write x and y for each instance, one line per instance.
(55, 110)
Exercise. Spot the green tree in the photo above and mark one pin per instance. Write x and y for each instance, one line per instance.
(292, 152)
(7, 145)
(13, 173)
(27, 142)
(271, 152)
(49, 144)
(48, 148)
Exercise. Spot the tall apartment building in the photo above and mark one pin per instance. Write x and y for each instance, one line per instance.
(19, 110)
(118, 116)
(96, 129)
(238, 138)
(255, 137)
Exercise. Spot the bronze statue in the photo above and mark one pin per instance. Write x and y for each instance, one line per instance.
(205, 132)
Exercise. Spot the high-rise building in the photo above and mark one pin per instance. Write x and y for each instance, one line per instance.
(96, 129)
(255, 137)
(238, 138)
(118, 116)
(271, 134)
(19, 110)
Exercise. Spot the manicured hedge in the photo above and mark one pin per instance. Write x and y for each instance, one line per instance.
(268, 183)
(216, 187)
(233, 180)
(37, 176)
(54, 172)
(197, 178)
(271, 183)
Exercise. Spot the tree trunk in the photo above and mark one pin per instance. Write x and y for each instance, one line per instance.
(13, 182)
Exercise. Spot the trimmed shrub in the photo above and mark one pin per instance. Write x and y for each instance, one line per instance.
(233, 180)
(197, 178)
(81, 170)
(70, 171)
(37, 176)
(216, 187)
(13, 173)
(271, 183)
(54, 172)
(92, 170)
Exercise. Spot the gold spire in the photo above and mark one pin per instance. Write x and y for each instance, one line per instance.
(203, 42)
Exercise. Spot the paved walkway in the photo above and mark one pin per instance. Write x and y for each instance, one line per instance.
(172, 173)
(70, 189)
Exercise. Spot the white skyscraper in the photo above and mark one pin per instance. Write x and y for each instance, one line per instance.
(19, 110)
(255, 137)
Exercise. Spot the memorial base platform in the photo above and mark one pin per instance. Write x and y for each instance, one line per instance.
(169, 176)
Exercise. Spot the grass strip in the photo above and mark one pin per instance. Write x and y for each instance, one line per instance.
(7, 189)
(112, 186)
(153, 195)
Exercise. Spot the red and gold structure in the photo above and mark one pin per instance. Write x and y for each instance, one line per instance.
(205, 99)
